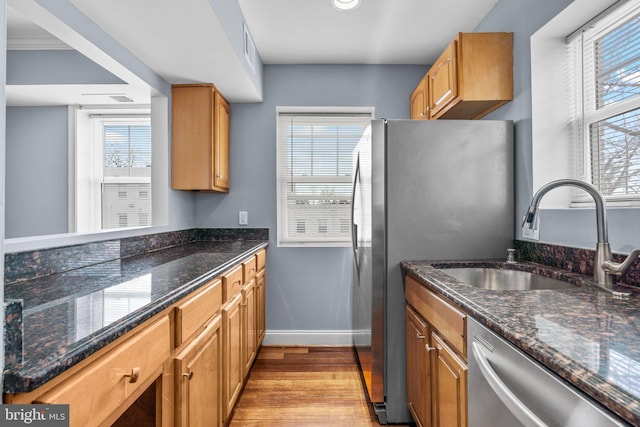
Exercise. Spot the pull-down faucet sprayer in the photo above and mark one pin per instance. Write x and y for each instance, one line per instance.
(604, 269)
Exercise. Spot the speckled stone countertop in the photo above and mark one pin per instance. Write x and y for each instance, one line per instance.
(583, 334)
(68, 316)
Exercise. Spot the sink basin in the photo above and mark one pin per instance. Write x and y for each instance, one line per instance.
(504, 280)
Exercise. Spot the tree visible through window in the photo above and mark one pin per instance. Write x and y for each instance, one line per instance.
(608, 118)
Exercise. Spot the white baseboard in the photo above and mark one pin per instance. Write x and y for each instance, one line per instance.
(291, 337)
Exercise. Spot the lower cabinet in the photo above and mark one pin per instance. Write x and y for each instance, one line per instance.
(233, 375)
(449, 386)
(198, 379)
(249, 333)
(436, 359)
(419, 367)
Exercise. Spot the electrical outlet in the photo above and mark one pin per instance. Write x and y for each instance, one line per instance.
(243, 218)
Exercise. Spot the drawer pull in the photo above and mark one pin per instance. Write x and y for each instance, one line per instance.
(420, 337)
(134, 375)
(243, 305)
(188, 375)
(428, 349)
(237, 281)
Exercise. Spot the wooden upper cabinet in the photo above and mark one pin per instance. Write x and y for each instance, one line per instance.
(419, 101)
(199, 138)
(472, 77)
(443, 81)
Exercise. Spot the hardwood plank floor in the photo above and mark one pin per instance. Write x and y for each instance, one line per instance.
(304, 387)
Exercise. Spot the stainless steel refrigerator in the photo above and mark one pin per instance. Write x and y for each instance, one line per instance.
(421, 190)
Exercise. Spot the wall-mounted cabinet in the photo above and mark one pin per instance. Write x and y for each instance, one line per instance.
(199, 138)
(472, 77)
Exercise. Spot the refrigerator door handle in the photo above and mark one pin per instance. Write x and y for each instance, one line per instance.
(354, 226)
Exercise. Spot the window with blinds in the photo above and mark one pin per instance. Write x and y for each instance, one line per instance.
(606, 55)
(314, 177)
(126, 173)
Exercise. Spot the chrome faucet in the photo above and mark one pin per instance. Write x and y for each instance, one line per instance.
(604, 269)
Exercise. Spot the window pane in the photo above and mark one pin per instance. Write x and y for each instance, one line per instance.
(617, 63)
(315, 156)
(127, 150)
(615, 154)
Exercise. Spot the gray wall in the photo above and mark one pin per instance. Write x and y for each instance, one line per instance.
(36, 199)
(569, 227)
(308, 288)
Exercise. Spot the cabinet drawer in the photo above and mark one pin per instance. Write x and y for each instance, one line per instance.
(444, 317)
(261, 259)
(194, 311)
(231, 283)
(249, 269)
(102, 386)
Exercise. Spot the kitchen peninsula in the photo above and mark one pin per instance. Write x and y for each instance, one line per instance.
(118, 329)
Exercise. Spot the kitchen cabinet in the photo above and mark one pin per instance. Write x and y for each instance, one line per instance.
(101, 388)
(448, 386)
(261, 321)
(249, 318)
(419, 365)
(232, 360)
(198, 362)
(436, 358)
(472, 77)
(198, 369)
(419, 109)
(199, 138)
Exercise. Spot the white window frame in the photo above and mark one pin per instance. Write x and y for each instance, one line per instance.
(87, 216)
(282, 240)
(585, 113)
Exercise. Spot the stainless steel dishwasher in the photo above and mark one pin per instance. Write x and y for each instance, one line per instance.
(508, 389)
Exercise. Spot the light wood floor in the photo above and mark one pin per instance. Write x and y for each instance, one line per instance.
(304, 387)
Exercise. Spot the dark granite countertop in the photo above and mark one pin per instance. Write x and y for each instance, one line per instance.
(68, 316)
(583, 334)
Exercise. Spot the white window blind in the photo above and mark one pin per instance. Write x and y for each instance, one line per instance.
(126, 187)
(314, 177)
(606, 119)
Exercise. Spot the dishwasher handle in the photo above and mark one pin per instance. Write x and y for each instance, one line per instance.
(510, 400)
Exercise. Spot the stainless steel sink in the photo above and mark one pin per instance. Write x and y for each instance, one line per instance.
(504, 280)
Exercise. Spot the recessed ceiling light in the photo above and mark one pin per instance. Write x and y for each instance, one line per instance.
(345, 4)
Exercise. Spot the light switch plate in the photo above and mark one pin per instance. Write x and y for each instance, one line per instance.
(243, 218)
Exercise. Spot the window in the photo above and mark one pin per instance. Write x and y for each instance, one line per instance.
(314, 175)
(606, 116)
(114, 192)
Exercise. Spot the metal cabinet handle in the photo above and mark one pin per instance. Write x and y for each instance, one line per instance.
(188, 375)
(428, 349)
(420, 337)
(133, 375)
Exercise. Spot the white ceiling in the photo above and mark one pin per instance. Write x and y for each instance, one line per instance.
(183, 41)
(376, 32)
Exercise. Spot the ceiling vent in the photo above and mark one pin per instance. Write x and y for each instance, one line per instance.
(121, 98)
(249, 48)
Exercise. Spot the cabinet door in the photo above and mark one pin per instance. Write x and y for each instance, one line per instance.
(418, 368)
(443, 81)
(199, 379)
(419, 101)
(232, 353)
(248, 325)
(449, 386)
(260, 307)
(221, 143)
